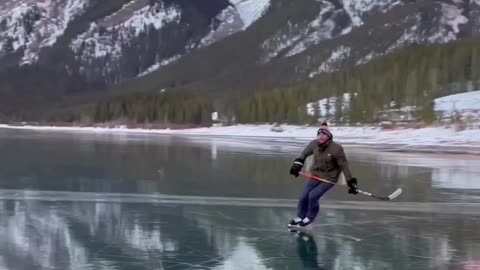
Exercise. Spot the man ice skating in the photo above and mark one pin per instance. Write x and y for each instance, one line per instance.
(328, 163)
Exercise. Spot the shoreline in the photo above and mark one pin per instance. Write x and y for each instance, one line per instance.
(426, 140)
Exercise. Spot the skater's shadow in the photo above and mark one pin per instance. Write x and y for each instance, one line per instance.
(307, 251)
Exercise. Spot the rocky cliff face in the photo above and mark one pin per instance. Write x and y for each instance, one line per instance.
(143, 34)
(94, 44)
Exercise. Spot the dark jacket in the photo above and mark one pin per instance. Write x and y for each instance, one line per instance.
(329, 160)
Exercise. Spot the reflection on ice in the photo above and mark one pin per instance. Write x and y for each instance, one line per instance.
(212, 166)
(105, 235)
(456, 178)
(257, 146)
(447, 172)
(244, 255)
(214, 151)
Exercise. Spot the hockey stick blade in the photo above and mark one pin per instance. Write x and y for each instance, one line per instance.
(395, 194)
(390, 197)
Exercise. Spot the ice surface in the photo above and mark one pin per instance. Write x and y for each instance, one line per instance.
(98, 235)
(101, 230)
(373, 205)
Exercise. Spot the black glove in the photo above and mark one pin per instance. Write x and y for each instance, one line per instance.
(296, 167)
(352, 184)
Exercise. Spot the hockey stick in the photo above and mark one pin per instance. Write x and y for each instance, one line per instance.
(390, 197)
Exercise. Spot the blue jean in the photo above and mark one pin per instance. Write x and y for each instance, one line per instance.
(309, 205)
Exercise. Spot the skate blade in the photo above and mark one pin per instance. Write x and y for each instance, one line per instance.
(297, 228)
(306, 228)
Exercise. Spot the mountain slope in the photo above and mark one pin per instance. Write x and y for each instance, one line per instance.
(30, 25)
(107, 47)
(402, 86)
(124, 39)
(296, 42)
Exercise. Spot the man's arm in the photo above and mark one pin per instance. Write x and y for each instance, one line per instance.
(298, 162)
(343, 163)
(307, 151)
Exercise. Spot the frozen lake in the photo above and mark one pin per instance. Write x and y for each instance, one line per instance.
(86, 201)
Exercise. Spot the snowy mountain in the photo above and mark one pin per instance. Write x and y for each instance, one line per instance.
(30, 25)
(77, 46)
(27, 26)
(111, 36)
(333, 20)
(354, 32)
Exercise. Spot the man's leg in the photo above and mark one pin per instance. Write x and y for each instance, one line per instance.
(304, 201)
(313, 200)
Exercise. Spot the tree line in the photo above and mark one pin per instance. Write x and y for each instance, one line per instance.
(174, 108)
(413, 77)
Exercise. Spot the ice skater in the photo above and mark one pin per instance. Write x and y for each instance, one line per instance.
(329, 161)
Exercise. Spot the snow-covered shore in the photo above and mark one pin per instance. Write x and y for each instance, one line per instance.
(435, 139)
